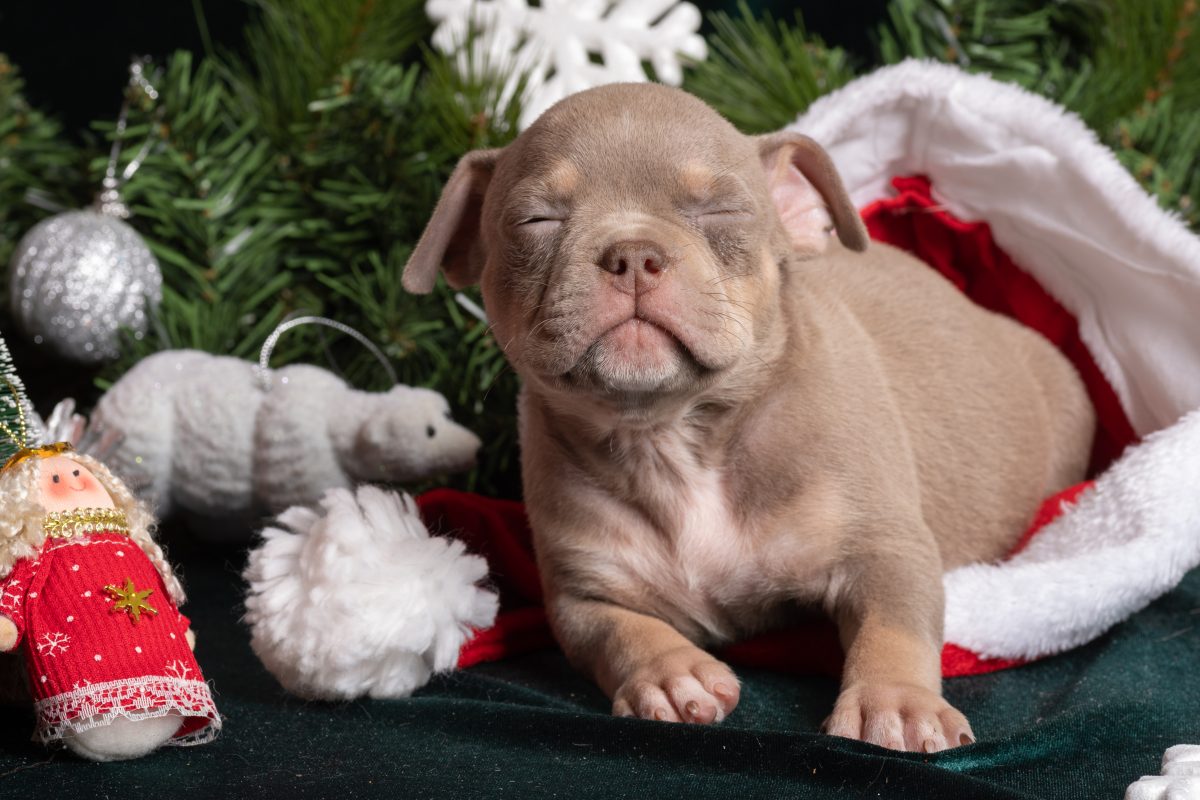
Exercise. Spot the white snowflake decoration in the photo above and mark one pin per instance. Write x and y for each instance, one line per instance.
(553, 43)
(178, 669)
(10, 599)
(52, 644)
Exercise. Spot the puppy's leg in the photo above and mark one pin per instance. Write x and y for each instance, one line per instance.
(647, 667)
(890, 621)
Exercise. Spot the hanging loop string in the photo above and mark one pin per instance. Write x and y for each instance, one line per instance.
(264, 357)
(109, 202)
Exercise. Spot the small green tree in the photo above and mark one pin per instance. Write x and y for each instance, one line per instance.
(17, 426)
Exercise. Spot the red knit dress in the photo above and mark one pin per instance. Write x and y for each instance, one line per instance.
(89, 662)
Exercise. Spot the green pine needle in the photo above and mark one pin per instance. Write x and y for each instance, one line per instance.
(35, 157)
(761, 74)
(1160, 144)
(1147, 50)
(1027, 42)
(297, 47)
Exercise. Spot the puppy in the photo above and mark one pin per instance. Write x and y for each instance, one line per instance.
(728, 415)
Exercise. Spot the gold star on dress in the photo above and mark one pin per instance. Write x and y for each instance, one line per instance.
(130, 600)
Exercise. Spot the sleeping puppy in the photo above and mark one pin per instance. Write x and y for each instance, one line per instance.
(729, 415)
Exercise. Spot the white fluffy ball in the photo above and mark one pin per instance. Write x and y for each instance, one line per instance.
(361, 600)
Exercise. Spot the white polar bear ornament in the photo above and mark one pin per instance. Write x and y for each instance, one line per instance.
(208, 436)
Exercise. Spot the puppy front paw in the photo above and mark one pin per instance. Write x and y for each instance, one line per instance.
(684, 685)
(899, 716)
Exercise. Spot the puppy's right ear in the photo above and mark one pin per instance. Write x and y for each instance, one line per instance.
(451, 239)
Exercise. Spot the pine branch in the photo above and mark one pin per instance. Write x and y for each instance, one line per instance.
(249, 230)
(297, 47)
(1028, 42)
(1148, 50)
(34, 157)
(1160, 144)
(196, 201)
(761, 74)
(380, 144)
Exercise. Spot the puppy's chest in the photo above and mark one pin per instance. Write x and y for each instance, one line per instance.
(688, 555)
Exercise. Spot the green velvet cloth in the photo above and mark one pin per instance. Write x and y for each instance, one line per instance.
(1081, 725)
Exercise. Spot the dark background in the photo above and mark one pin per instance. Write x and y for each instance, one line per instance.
(75, 53)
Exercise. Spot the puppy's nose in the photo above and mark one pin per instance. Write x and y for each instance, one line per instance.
(638, 256)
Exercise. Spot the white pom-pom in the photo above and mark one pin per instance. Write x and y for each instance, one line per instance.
(361, 600)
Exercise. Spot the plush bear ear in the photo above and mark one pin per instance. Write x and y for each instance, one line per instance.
(451, 239)
(808, 191)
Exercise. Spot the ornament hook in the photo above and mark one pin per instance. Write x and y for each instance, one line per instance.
(264, 357)
(109, 202)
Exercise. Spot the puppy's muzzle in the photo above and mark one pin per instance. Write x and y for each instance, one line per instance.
(635, 264)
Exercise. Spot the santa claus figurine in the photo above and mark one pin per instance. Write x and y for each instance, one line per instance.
(91, 601)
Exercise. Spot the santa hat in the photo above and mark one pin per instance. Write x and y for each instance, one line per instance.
(1059, 205)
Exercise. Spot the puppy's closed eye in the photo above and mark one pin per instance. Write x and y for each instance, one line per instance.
(539, 225)
(722, 215)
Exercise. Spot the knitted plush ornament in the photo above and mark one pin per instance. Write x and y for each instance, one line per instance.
(1016, 202)
(224, 442)
(89, 599)
(357, 599)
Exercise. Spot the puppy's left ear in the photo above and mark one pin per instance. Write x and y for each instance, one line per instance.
(451, 238)
(807, 191)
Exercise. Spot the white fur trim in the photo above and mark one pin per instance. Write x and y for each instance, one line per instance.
(1128, 540)
(1057, 201)
(361, 600)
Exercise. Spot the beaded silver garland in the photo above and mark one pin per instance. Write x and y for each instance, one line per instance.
(78, 278)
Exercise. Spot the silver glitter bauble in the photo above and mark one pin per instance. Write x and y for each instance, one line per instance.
(77, 278)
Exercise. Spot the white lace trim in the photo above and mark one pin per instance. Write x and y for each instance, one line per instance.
(62, 544)
(96, 704)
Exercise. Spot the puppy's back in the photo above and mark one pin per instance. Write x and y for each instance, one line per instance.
(997, 418)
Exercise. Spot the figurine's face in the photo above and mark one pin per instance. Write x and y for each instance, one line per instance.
(67, 485)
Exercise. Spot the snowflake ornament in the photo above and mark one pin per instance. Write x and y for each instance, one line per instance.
(564, 46)
(51, 644)
(178, 669)
(12, 595)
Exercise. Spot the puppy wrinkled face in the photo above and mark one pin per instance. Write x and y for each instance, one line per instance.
(628, 246)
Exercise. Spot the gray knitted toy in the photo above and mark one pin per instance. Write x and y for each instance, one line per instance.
(207, 435)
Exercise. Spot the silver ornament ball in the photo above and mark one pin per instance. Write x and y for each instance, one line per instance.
(78, 278)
